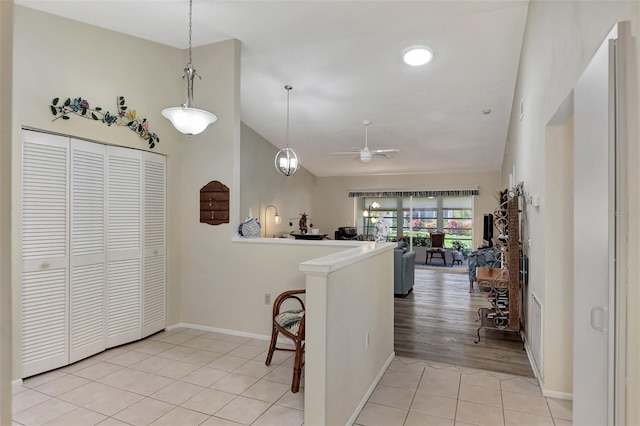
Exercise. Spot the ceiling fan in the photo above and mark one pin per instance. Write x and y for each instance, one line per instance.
(365, 153)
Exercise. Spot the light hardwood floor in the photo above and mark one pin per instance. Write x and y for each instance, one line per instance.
(437, 322)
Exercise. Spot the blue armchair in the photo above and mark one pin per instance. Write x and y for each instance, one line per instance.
(484, 257)
(403, 270)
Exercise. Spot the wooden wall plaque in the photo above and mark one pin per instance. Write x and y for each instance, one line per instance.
(214, 203)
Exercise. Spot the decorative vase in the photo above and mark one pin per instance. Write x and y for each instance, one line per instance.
(250, 228)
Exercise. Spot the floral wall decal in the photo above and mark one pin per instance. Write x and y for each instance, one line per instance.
(81, 108)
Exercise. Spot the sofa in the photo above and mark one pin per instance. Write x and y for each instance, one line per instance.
(404, 263)
(484, 257)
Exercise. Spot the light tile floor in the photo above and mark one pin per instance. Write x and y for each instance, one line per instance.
(415, 392)
(178, 377)
(192, 377)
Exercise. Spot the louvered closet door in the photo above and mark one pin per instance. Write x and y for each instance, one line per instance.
(124, 245)
(45, 258)
(154, 286)
(87, 246)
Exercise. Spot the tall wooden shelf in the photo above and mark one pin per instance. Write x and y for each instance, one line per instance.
(504, 284)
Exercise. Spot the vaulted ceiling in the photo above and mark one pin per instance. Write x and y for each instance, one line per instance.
(344, 61)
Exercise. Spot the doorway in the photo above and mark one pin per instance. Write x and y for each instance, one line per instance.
(600, 230)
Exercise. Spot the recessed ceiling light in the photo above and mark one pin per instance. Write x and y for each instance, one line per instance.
(417, 56)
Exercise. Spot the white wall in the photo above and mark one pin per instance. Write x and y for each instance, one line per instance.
(560, 39)
(261, 185)
(6, 62)
(336, 208)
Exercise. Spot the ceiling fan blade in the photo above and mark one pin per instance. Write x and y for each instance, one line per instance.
(383, 154)
(365, 154)
(345, 153)
(382, 151)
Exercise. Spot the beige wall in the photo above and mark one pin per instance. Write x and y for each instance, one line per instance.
(358, 297)
(212, 281)
(261, 185)
(204, 252)
(231, 296)
(6, 62)
(557, 371)
(559, 41)
(337, 209)
(99, 65)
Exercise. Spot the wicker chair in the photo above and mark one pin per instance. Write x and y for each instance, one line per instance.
(289, 323)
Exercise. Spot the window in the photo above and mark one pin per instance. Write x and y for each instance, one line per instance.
(457, 220)
(422, 216)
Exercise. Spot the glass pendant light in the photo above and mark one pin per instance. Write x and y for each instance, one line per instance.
(286, 160)
(186, 118)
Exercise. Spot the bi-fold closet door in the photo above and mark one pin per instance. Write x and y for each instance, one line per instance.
(93, 248)
(45, 252)
(87, 225)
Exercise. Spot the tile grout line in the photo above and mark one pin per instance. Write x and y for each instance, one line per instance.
(455, 413)
(406, 417)
(504, 414)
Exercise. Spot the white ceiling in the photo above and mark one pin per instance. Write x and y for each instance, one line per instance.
(343, 59)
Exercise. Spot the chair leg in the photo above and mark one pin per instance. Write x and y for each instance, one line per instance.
(272, 345)
(297, 368)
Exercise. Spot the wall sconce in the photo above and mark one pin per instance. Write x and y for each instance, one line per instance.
(276, 219)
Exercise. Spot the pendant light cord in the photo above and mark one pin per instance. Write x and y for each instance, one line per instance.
(190, 65)
(288, 91)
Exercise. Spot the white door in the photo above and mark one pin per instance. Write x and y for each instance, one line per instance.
(154, 280)
(596, 230)
(87, 247)
(45, 252)
(124, 245)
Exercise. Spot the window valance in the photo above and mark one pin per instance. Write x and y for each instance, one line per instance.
(416, 193)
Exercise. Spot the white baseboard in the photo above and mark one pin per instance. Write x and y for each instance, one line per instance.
(536, 373)
(366, 396)
(558, 395)
(545, 392)
(219, 330)
(281, 341)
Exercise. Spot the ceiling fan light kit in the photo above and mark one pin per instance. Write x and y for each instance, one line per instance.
(365, 154)
(186, 118)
